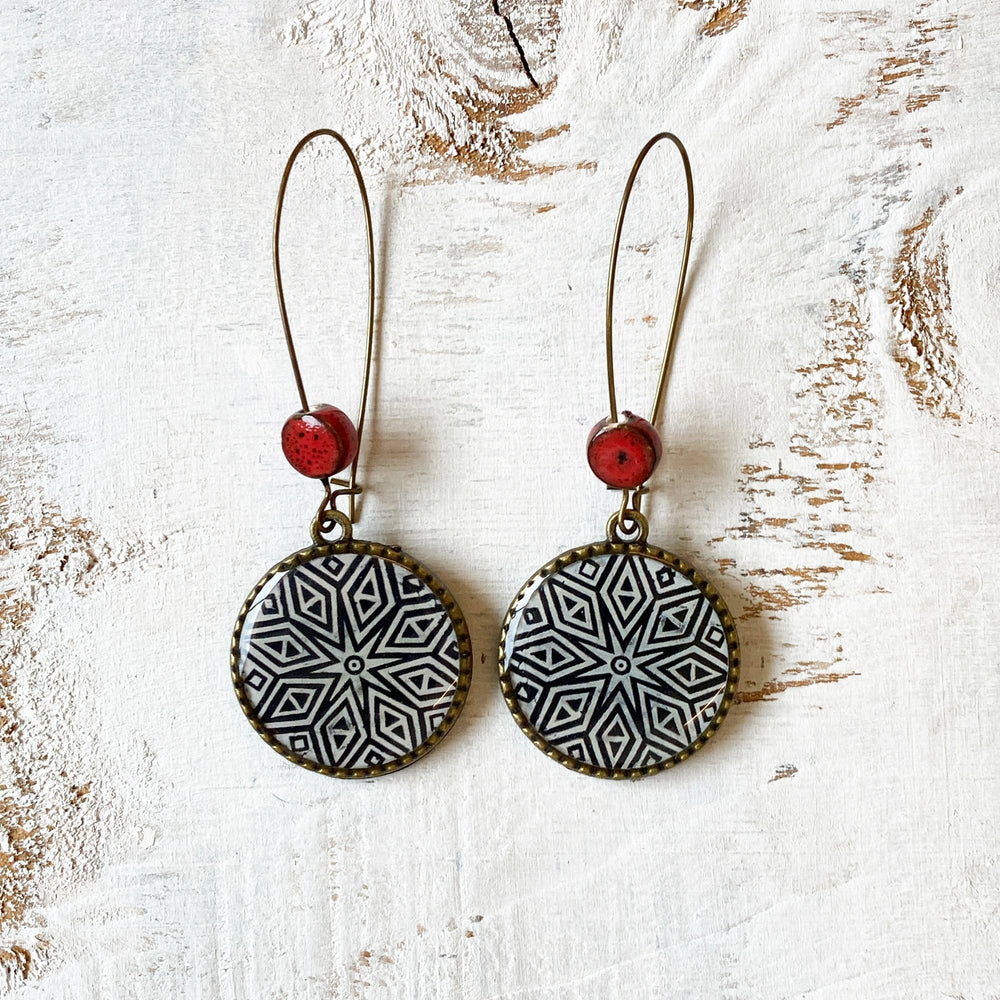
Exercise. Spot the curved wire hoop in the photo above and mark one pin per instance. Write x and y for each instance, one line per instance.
(661, 383)
(351, 487)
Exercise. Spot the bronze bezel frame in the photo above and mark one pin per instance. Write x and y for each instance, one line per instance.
(392, 554)
(706, 588)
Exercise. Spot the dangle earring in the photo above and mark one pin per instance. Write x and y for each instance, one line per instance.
(348, 657)
(617, 659)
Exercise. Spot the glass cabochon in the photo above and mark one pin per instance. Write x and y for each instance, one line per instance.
(351, 661)
(619, 661)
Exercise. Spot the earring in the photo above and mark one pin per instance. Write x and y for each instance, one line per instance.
(618, 659)
(348, 657)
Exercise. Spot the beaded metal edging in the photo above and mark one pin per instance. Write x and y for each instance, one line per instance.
(450, 605)
(707, 590)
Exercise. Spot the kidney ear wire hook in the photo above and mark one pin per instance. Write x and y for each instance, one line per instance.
(328, 510)
(624, 451)
(661, 383)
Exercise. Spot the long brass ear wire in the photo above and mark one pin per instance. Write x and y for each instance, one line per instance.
(350, 487)
(661, 383)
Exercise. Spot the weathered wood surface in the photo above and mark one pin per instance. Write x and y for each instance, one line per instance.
(832, 446)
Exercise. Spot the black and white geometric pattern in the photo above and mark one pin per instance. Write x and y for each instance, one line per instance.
(349, 660)
(617, 660)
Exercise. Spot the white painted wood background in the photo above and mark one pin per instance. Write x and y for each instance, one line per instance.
(832, 451)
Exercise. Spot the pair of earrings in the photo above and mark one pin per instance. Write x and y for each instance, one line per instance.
(350, 658)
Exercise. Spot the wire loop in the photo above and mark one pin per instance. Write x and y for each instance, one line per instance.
(328, 517)
(350, 486)
(675, 316)
(326, 520)
(629, 513)
(629, 527)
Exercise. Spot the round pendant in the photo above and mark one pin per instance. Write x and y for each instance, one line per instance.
(618, 660)
(351, 659)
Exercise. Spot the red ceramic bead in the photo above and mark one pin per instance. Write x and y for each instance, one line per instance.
(624, 454)
(319, 443)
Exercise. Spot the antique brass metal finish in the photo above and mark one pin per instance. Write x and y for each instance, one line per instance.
(347, 487)
(450, 605)
(675, 316)
(646, 551)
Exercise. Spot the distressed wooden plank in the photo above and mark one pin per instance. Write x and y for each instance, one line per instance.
(831, 441)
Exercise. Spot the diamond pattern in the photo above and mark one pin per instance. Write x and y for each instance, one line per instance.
(619, 661)
(349, 660)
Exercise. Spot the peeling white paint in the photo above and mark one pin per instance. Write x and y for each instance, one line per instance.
(143, 390)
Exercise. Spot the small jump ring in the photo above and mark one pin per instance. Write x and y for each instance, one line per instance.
(617, 522)
(325, 520)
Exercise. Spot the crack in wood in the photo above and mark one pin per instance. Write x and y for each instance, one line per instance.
(447, 104)
(517, 43)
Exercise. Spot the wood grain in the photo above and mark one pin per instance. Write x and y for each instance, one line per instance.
(831, 441)
(458, 75)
